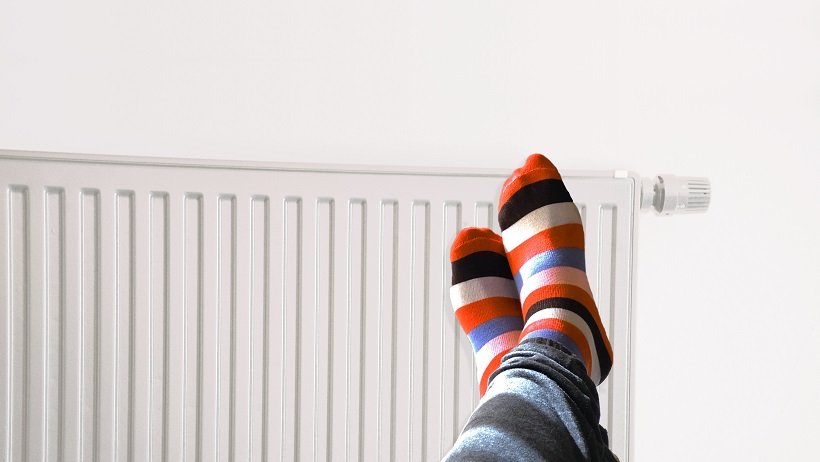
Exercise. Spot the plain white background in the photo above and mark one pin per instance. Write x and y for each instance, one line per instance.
(728, 339)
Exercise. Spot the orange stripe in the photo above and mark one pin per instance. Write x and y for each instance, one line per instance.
(516, 182)
(477, 313)
(471, 239)
(569, 235)
(567, 329)
(480, 244)
(569, 291)
(485, 377)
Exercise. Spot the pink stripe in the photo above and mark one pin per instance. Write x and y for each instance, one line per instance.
(557, 275)
(495, 346)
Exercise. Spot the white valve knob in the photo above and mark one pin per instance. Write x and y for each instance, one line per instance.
(670, 194)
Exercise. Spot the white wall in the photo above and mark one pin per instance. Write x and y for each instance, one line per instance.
(729, 317)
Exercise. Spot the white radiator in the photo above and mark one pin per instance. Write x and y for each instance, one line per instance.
(174, 310)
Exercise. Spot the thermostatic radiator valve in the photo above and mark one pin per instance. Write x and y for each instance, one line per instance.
(670, 194)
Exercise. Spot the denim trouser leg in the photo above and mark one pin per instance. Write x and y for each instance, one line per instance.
(540, 406)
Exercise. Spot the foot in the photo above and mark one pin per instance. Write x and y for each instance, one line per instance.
(544, 241)
(485, 298)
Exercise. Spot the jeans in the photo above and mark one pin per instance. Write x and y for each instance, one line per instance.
(540, 406)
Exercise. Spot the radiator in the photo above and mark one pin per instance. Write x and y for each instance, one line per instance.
(159, 309)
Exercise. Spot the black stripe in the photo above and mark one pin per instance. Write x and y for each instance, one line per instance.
(531, 197)
(578, 308)
(481, 264)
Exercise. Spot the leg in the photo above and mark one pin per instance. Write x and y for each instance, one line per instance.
(542, 401)
(541, 406)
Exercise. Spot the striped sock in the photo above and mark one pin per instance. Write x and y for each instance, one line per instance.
(544, 240)
(484, 298)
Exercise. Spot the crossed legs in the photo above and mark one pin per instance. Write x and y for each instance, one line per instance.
(524, 301)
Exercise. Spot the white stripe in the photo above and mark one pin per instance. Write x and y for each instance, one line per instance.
(474, 290)
(557, 275)
(538, 220)
(577, 321)
(492, 348)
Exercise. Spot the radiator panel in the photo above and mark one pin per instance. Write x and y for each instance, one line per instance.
(169, 310)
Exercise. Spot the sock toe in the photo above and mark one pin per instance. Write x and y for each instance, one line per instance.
(470, 240)
(536, 168)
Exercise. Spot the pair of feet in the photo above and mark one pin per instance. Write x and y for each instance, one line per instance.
(530, 281)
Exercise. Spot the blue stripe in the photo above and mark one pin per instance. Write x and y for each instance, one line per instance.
(491, 329)
(565, 256)
(558, 337)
